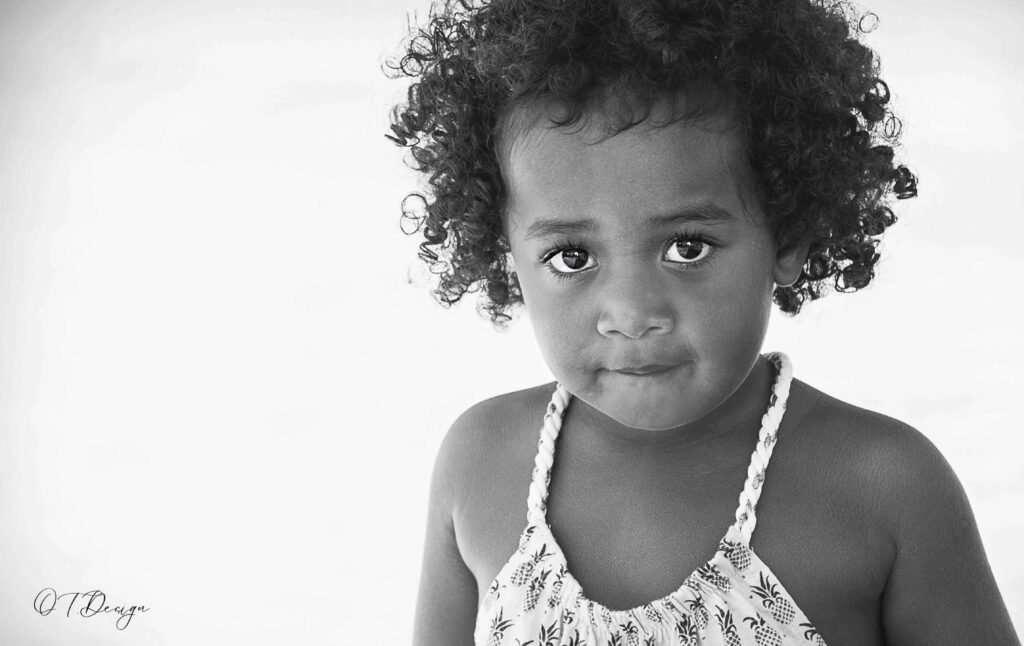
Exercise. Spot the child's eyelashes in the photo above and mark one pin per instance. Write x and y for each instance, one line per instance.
(566, 259)
(689, 250)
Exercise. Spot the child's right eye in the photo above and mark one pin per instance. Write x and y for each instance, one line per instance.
(567, 260)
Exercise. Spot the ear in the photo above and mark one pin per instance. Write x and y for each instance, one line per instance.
(789, 262)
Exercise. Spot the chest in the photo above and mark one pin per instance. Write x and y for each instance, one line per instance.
(632, 531)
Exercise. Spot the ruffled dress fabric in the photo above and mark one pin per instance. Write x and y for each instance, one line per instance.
(734, 599)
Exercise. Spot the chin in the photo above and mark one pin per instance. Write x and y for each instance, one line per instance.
(648, 424)
(660, 416)
(658, 422)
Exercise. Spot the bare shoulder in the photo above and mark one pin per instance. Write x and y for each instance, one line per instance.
(488, 437)
(467, 515)
(840, 464)
(939, 587)
(881, 471)
(485, 463)
(487, 451)
(819, 408)
(884, 456)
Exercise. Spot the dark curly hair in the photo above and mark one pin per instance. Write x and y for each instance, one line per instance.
(807, 93)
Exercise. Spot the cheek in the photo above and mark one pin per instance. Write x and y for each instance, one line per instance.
(559, 322)
(735, 324)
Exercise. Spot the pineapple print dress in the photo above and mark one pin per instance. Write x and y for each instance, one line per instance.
(732, 600)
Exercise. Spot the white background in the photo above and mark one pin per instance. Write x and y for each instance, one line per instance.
(220, 397)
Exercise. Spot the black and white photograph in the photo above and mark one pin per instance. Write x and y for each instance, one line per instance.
(511, 322)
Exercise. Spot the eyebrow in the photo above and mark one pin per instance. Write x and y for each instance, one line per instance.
(704, 213)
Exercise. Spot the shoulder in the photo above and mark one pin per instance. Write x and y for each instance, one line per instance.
(938, 585)
(890, 466)
(488, 429)
(878, 442)
(469, 500)
(489, 439)
(877, 487)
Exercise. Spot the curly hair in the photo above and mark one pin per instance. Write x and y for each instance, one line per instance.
(819, 136)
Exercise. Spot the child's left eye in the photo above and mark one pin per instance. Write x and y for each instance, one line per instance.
(688, 250)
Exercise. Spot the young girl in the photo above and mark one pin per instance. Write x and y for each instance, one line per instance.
(646, 177)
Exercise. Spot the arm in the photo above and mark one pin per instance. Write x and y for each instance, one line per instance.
(940, 589)
(447, 599)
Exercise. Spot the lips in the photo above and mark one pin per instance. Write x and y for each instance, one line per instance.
(649, 369)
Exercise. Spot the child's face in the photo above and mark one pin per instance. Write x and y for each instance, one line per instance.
(635, 287)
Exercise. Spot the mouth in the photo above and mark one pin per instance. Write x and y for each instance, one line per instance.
(651, 369)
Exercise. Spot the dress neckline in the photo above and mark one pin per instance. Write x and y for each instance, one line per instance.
(737, 536)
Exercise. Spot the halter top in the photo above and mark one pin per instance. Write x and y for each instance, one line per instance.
(732, 600)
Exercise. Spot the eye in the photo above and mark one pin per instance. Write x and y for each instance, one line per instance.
(568, 260)
(689, 251)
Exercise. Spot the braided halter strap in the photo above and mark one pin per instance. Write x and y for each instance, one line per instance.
(537, 501)
(746, 518)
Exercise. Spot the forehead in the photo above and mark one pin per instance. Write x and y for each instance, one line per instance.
(656, 166)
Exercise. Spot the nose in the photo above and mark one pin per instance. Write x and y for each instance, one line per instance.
(635, 308)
